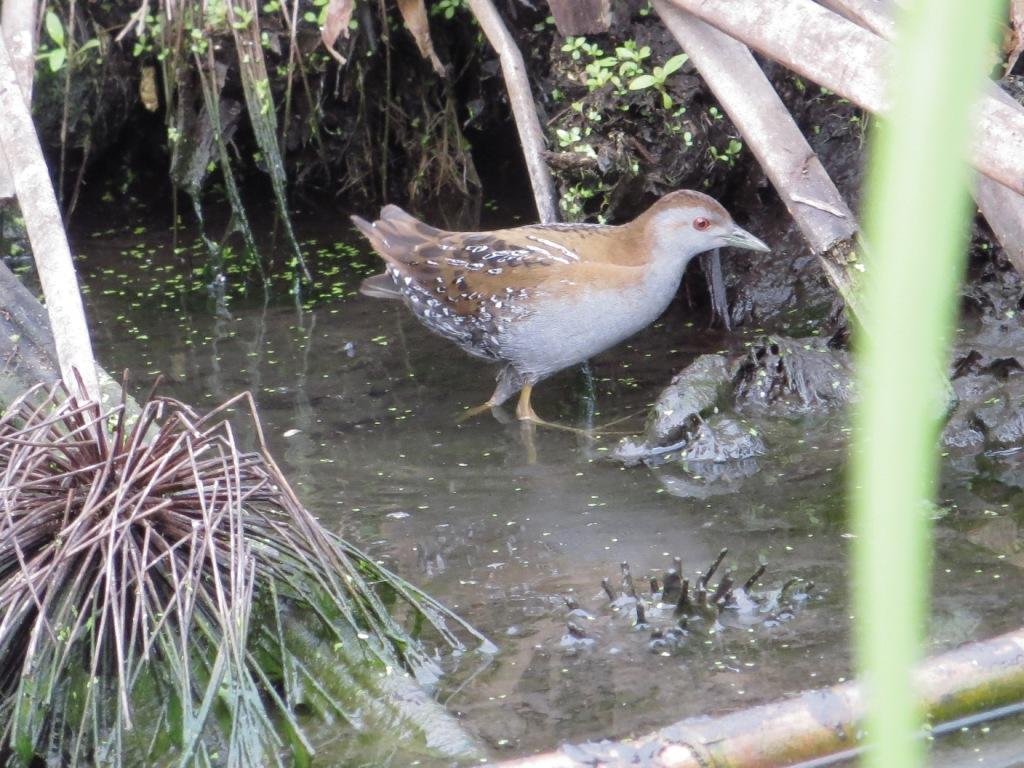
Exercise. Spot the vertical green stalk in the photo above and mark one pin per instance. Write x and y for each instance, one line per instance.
(916, 222)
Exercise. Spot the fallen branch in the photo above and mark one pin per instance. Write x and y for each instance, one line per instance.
(17, 20)
(28, 355)
(875, 15)
(523, 108)
(1002, 208)
(45, 231)
(843, 57)
(972, 678)
(739, 85)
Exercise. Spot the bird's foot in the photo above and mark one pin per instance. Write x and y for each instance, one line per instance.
(527, 416)
(536, 420)
(469, 413)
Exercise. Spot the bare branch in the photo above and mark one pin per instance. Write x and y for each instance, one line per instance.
(46, 232)
(531, 136)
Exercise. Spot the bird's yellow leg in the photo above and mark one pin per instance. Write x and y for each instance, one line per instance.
(525, 413)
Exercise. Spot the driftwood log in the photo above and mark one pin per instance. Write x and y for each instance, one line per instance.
(727, 66)
(27, 353)
(814, 724)
(46, 232)
(838, 54)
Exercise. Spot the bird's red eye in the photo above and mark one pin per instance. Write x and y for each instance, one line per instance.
(700, 223)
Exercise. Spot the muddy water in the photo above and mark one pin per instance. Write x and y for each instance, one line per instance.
(360, 405)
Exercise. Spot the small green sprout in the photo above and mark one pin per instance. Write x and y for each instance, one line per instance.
(656, 79)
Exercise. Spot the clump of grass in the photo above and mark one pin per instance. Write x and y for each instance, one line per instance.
(163, 592)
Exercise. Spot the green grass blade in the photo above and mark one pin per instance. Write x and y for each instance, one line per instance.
(916, 223)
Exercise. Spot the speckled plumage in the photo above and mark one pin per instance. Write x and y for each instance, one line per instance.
(542, 297)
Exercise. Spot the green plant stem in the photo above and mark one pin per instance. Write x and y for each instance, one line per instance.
(917, 208)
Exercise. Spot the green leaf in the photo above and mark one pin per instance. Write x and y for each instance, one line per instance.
(56, 58)
(54, 28)
(666, 100)
(674, 64)
(644, 81)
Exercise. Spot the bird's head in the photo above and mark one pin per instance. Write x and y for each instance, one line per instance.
(685, 223)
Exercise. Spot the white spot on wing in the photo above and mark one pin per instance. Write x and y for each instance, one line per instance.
(569, 255)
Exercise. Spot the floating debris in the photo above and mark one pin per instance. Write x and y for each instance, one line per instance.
(575, 639)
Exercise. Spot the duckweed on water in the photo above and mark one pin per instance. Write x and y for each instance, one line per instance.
(176, 280)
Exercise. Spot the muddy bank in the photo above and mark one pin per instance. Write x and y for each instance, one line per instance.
(725, 410)
(716, 410)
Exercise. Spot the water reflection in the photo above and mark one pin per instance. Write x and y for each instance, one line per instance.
(360, 406)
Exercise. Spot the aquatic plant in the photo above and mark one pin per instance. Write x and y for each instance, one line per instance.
(164, 591)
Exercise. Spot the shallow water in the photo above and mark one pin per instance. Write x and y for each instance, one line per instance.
(360, 403)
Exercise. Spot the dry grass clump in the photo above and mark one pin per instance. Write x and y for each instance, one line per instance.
(160, 587)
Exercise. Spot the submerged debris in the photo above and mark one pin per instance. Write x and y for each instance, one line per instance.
(787, 376)
(685, 420)
(691, 419)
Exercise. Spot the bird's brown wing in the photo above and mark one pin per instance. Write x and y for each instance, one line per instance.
(466, 270)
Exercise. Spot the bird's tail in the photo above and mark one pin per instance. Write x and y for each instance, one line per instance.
(380, 287)
(369, 231)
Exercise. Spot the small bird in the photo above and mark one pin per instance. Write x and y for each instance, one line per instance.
(544, 297)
